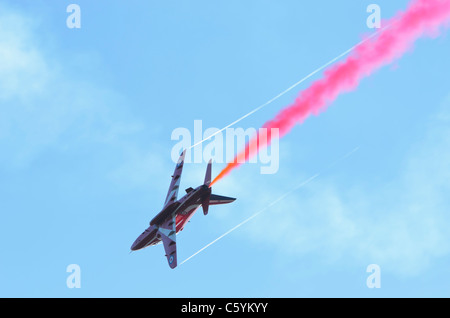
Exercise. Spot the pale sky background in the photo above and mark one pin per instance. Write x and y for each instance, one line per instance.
(85, 126)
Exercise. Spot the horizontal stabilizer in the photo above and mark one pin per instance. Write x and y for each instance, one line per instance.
(205, 202)
(220, 199)
(205, 206)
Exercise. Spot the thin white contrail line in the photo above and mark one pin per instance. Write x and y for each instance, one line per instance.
(272, 203)
(292, 86)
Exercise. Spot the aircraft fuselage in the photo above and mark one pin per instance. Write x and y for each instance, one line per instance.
(184, 209)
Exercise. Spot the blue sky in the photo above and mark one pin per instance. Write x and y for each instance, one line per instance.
(85, 126)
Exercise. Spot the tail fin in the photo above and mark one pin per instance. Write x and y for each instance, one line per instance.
(208, 174)
(205, 199)
(212, 199)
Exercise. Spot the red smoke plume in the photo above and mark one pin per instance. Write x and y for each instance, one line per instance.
(421, 18)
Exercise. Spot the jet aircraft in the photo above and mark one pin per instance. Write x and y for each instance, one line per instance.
(176, 213)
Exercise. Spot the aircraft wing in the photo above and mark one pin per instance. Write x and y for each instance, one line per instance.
(168, 236)
(175, 183)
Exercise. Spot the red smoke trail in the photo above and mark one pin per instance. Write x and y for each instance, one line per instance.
(422, 18)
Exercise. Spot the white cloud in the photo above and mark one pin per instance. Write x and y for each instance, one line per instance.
(42, 106)
(23, 70)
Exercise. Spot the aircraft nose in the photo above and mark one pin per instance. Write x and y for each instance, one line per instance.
(135, 246)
